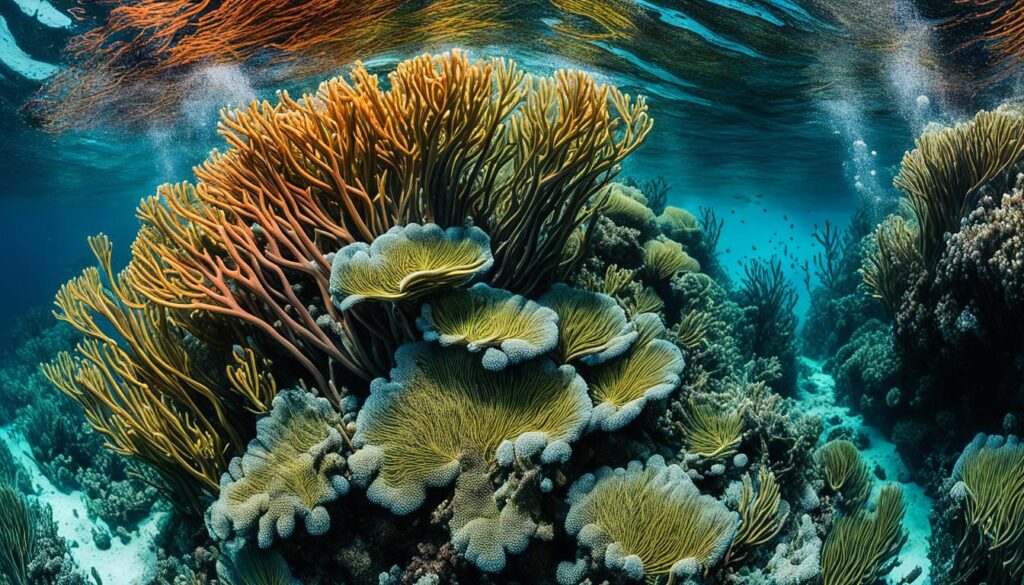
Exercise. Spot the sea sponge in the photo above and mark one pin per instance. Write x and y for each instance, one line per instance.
(408, 262)
(846, 472)
(681, 226)
(649, 521)
(481, 531)
(990, 473)
(441, 403)
(649, 371)
(289, 471)
(664, 259)
(862, 547)
(508, 328)
(592, 327)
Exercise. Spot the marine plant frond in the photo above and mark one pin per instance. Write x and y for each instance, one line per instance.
(862, 547)
(663, 259)
(990, 484)
(251, 379)
(760, 517)
(649, 521)
(709, 432)
(691, 332)
(506, 328)
(613, 283)
(642, 300)
(888, 265)
(251, 566)
(592, 327)
(846, 472)
(941, 177)
(18, 541)
(680, 226)
(441, 403)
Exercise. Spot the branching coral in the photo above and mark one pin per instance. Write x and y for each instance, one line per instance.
(862, 547)
(288, 473)
(138, 385)
(663, 259)
(592, 327)
(649, 521)
(846, 472)
(709, 432)
(442, 403)
(408, 262)
(942, 175)
(508, 328)
(649, 371)
(17, 536)
(760, 518)
(990, 479)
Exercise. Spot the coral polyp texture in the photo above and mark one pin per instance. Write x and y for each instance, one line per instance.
(620, 388)
(648, 521)
(289, 472)
(506, 327)
(989, 478)
(408, 262)
(862, 547)
(441, 403)
(592, 327)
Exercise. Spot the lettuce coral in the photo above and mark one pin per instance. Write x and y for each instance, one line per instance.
(592, 327)
(648, 521)
(508, 328)
(681, 226)
(408, 262)
(289, 472)
(441, 403)
(622, 387)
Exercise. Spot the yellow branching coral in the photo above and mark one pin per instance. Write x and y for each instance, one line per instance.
(408, 262)
(990, 484)
(137, 383)
(861, 547)
(846, 472)
(760, 519)
(507, 328)
(441, 403)
(649, 371)
(663, 259)
(648, 521)
(943, 174)
(709, 432)
(592, 328)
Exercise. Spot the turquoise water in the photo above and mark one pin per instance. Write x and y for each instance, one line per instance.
(786, 121)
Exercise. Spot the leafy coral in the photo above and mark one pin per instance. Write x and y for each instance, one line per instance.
(862, 547)
(408, 262)
(648, 371)
(288, 473)
(508, 328)
(649, 520)
(441, 403)
(681, 226)
(592, 327)
(709, 432)
(663, 259)
(846, 472)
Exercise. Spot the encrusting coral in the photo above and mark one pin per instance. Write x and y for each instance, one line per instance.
(647, 521)
(408, 262)
(289, 472)
(507, 328)
(441, 403)
(861, 548)
(592, 328)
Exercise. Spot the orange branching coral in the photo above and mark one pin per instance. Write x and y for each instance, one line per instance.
(137, 384)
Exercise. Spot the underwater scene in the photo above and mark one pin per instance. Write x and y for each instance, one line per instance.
(539, 292)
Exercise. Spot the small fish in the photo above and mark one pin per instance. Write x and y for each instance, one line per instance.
(784, 218)
(743, 221)
(728, 250)
(754, 248)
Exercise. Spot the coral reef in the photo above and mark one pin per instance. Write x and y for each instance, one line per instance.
(862, 548)
(592, 328)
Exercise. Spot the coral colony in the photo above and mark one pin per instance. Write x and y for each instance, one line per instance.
(418, 332)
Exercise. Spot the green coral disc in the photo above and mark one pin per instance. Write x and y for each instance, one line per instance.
(621, 388)
(508, 328)
(289, 471)
(408, 262)
(441, 402)
(592, 327)
(649, 520)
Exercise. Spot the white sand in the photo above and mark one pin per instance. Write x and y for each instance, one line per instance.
(121, 564)
(821, 401)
